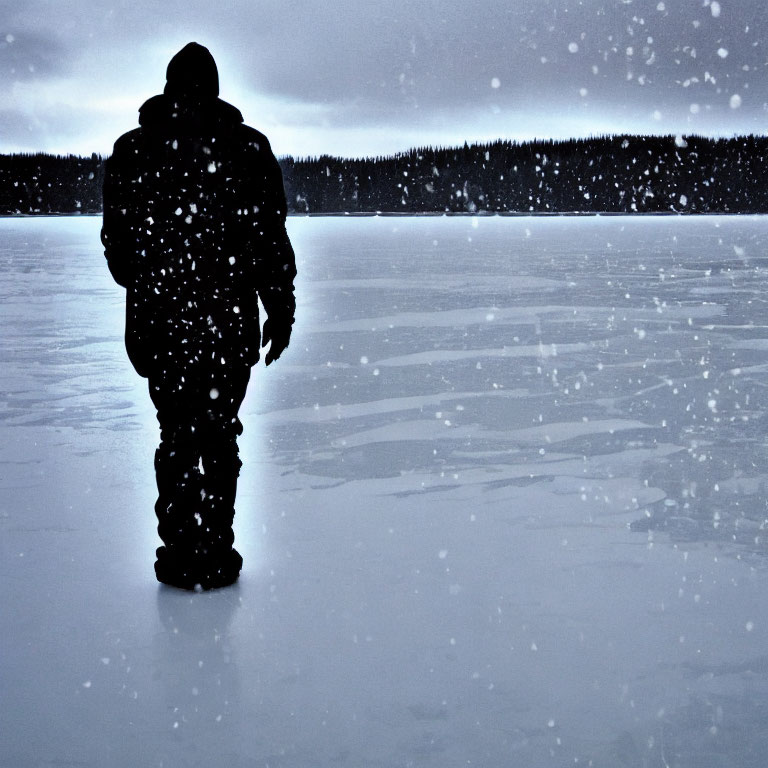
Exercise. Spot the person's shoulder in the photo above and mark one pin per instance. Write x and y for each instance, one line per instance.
(226, 112)
(255, 140)
(126, 143)
(246, 135)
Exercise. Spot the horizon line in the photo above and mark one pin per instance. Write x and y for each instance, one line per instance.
(441, 147)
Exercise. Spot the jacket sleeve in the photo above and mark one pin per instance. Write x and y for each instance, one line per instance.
(118, 232)
(278, 269)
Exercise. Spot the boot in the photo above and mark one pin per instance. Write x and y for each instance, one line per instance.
(191, 572)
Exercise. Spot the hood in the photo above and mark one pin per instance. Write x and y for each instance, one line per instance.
(192, 72)
(190, 97)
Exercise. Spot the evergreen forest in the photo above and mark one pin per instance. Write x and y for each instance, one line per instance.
(610, 174)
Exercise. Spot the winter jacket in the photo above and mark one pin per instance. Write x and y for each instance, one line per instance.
(194, 228)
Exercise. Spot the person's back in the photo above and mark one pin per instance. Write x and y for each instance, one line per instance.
(194, 227)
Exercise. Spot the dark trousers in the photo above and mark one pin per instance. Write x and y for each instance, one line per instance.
(197, 463)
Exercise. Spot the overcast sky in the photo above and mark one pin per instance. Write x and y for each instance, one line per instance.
(354, 77)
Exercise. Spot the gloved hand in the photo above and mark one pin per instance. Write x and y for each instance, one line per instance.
(279, 334)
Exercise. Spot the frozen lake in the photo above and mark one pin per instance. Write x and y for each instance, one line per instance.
(503, 504)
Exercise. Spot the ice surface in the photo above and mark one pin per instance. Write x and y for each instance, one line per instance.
(503, 504)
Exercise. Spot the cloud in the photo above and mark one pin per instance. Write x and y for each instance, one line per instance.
(31, 56)
(441, 67)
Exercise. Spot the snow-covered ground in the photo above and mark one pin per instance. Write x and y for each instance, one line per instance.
(502, 505)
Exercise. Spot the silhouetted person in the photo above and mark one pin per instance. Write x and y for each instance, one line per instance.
(194, 228)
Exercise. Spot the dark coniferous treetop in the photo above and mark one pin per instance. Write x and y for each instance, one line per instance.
(40, 183)
(618, 174)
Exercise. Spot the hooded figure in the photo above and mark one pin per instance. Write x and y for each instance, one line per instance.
(194, 228)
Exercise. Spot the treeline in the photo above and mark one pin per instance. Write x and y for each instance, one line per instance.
(39, 183)
(622, 174)
(612, 174)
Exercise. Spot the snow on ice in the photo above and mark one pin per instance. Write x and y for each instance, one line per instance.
(503, 503)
